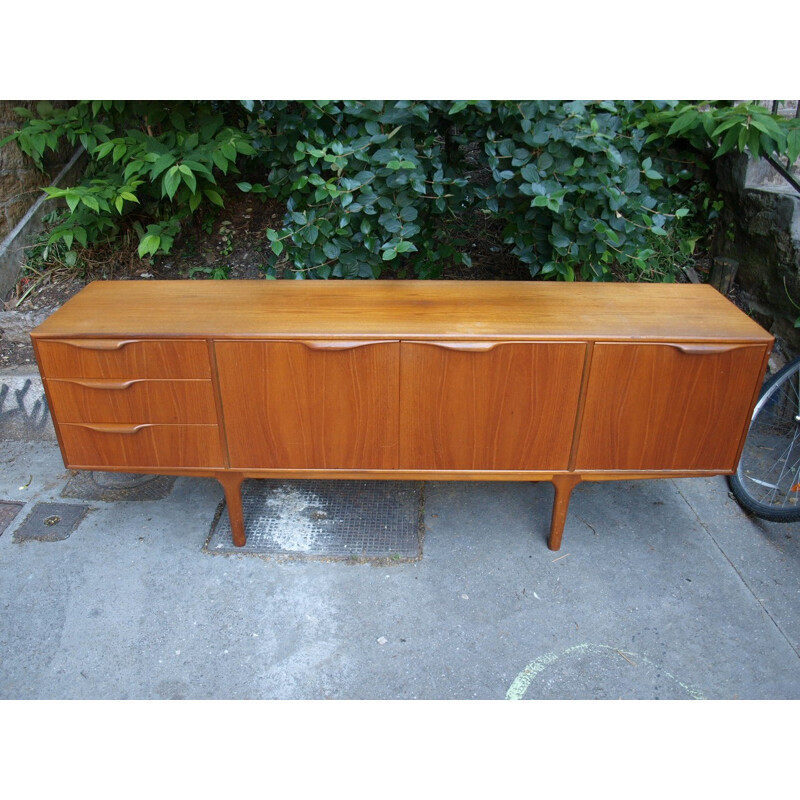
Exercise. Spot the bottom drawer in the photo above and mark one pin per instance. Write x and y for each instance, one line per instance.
(97, 445)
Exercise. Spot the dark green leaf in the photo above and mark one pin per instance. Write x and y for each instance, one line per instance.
(213, 196)
(188, 178)
(161, 163)
(90, 202)
(331, 249)
(220, 160)
(172, 180)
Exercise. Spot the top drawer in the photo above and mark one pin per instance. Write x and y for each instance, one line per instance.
(123, 358)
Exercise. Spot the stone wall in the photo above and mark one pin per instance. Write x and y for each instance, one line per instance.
(761, 230)
(20, 180)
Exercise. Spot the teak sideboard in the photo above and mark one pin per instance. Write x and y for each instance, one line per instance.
(422, 380)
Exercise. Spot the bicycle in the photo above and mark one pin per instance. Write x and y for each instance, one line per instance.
(767, 480)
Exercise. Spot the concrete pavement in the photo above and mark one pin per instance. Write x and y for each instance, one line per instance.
(662, 589)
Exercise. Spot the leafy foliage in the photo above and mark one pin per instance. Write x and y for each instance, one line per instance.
(363, 183)
(578, 185)
(743, 127)
(158, 161)
(589, 190)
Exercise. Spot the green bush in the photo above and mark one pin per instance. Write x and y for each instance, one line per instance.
(150, 163)
(596, 190)
(580, 187)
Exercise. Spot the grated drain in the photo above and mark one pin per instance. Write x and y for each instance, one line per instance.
(327, 519)
(8, 510)
(50, 522)
(113, 486)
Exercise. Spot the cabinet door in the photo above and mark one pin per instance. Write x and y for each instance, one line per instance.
(488, 405)
(668, 407)
(310, 404)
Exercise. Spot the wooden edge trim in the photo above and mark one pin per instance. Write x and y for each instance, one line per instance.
(49, 400)
(411, 475)
(223, 434)
(576, 435)
(500, 337)
(753, 401)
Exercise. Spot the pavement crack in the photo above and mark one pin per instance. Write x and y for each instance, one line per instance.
(737, 571)
(587, 525)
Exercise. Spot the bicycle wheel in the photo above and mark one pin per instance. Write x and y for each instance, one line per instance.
(767, 481)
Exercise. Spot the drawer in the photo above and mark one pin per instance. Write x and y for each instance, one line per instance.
(96, 445)
(133, 400)
(123, 358)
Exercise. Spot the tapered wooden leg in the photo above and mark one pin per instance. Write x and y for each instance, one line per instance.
(563, 484)
(232, 484)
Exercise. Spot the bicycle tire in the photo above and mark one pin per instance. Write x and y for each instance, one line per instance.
(767, 479)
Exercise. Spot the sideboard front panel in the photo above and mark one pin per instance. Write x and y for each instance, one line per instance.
(310, 404)
(488, 405)
(667, 406)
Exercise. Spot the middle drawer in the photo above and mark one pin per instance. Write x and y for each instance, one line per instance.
(136, 400)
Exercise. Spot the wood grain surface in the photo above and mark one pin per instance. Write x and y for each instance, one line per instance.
(660, 407)
(121, 358)
(449, 380)
(488, 406)
(132, 400)
(309, 405)
(401, 309)
(97, 445)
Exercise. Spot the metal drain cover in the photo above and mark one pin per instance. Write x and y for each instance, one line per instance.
(50, 522)
(113, 486)
(327, 519)
(8, 510)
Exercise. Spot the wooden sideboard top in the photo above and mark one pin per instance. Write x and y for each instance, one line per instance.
(458, 310)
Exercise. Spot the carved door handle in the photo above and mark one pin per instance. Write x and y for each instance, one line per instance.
(100, 384)
(470, 347)
(706, 349)
(333, 344)
(126, 430)
(98, 344)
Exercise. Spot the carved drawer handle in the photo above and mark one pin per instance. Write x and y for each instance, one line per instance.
(327, 344)
(98, 344)
(706, 349)
(126, 430)
(114, 385)
(471, 347)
